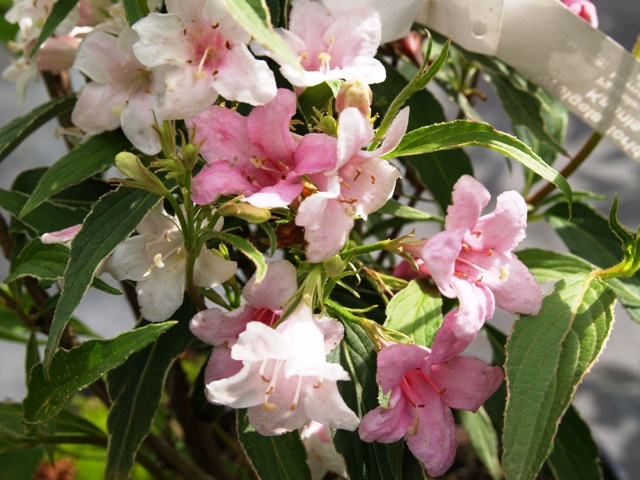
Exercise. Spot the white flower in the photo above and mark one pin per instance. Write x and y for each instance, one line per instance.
(201, 52)
(285, 380)
(155, 259)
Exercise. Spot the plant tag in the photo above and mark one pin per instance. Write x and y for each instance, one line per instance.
(597, 79)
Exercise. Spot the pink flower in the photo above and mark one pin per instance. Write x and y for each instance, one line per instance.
(251, 156)
(472, 260)
(123, 92)
(405, 271)
(350, 181)
(322, 455)
(285, 380)
(584, 9)
(265, 304)
(422, 394)
(330, 47)
(201, 52)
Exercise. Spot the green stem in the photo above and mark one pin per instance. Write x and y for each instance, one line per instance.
(571, 167)
(191, 286)
(366, 249)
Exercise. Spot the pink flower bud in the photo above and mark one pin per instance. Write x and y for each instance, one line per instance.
(355, 94)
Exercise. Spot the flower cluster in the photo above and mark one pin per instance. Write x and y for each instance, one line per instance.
(194, 63)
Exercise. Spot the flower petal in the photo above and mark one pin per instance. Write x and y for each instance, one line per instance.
(395, 361)
(215, 327)
(354, 132)
(439, 255)
(244, 389)
(316, 152)
(211, 270)
(219, 178)
(469, 199)
(467, 382)
(243, 78)
(275, 196)
(325, 405)
(259, 342)
(434, 441)
(161, 293)
(387, 424)
(221, 365)
(276, 288)
(268, 127)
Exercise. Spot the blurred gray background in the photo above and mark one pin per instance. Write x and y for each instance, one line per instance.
(609, 398)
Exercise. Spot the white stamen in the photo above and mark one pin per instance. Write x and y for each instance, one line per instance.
(296, 397)
(199, 72)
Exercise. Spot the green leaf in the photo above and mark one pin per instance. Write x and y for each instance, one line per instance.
(484, 439)
(135, 389)
(48, 217)
(273, 458)
(59, 11)
(11, 327)
(575, 454)
(587, 234)
(547, 356)
(249, 250)
(20, 465)
(254, 17)
(317, 96)
(438, 171)
(109, 223)
(463, 133)
(416, 311)
(46, 262)
(397, 209)
(81, 163)
(134, 10)
(103, 286)
(14, 132)
(75, 369)
(365, 461)
(33, 354)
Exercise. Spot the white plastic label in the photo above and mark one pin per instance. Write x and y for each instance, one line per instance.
(587, 71)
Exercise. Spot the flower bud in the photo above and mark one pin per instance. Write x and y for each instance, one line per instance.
(131, 166)
(245, 211)
(355, 94)
(334, 266)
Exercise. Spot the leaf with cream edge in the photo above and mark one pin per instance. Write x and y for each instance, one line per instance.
(463, 133)
(547, 356)
(87, 159)
(81, 366)
(112, 219)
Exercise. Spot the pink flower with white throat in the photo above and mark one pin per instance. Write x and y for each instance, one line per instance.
(285, 380)
(330, 47)
(123, 92)
(201, 52)
(423, 392)
(155, 260)
(251, 156)
(350, 181)
(473, 261)
(265, 304)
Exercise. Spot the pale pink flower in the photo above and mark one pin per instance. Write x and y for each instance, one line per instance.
(123, 92)
(155, 260)
(397, 16)
(330, 47)
(351, 182)
(65, 236)
(584, 9)
(473, 261)
(285, 380)
(322, 455)
(265, 304)
(201, 52)
(422, 394)
(250, 156)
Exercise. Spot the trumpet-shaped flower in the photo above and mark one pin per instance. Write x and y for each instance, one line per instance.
(285, 380)
(251, 156)
(155, 260)
(422, 395)
(265, 304)
(65, 236)
(123, 93)
(201, 52)
(330, 47)
(472, 260)
(350, 181)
